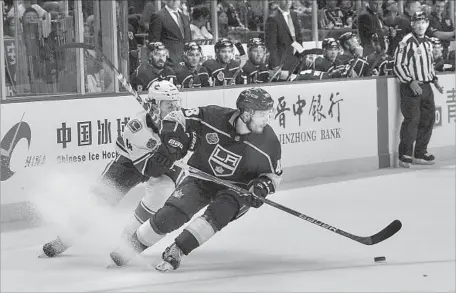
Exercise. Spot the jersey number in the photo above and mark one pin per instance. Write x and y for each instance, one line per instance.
(192, 112)
(128, 144)
(134, 125)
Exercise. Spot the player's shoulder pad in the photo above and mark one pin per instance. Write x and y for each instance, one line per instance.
(173, 118)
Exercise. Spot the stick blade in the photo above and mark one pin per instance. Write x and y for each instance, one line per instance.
(386, 233)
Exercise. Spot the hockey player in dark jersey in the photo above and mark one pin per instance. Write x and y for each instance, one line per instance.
(143, 155)
(441, 64)
(255, 69)
(222, 69)
(329, 62)
(236, 145)
(190, 74)
(153, 70)
(380, 63)
(356, 65)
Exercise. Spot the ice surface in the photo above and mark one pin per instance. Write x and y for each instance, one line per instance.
(268, 250)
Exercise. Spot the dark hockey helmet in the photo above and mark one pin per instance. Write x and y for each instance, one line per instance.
(156, 46)
(223, 43)
(254, 99)
(255, 42)
(192, 46)
(419, 15)
(345, 38)
(329, 43)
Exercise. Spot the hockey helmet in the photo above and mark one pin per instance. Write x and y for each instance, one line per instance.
(345, 38)
(254, 99)
(419, 15)
(223, 43)
(329, 43)
(192, 46)
(162, 90)
(254, 43)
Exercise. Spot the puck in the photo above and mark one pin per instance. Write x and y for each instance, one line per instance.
(379, 258)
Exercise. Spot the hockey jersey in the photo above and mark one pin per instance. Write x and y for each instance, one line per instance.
(323, 64)
(252, 73)
(357, 65)
(228, 155)
(221, 74)
(145, 74)
(191, 79)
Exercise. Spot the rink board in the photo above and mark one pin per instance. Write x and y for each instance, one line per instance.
(326, 128)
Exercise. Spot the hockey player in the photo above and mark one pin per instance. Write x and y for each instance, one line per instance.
(329, 62)
(380, 63)
(153, 70)
(141, 157)
(222, 69)
(237, 145)
(190, 74)
(255, 69)
(356, 65)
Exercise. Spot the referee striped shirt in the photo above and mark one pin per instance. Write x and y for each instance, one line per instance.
(413, 59)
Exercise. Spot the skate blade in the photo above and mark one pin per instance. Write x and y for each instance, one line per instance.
(164, 267)
(112, 265)
(404, 164)
(43, 255)
(423, 162)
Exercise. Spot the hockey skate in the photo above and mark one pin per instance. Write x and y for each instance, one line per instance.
(425, 159)
(126, 252)
(405, 161)
(54, 248)
(171, 258)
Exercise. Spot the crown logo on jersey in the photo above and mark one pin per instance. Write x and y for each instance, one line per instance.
(212, 138)
(223, 162)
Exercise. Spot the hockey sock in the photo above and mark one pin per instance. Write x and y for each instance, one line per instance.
(195, 234)
(148, 234)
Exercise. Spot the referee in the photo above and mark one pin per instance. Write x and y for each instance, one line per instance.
(414, 66)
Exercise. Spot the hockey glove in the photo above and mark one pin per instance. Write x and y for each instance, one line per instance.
(261, 187)
(159, 163)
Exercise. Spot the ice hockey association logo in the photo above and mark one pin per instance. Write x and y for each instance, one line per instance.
(223, 162)
(212, 138)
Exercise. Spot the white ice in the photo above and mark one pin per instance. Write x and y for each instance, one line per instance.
(268, 250)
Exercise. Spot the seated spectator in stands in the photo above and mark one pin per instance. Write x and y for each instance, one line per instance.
(154, 69)
(349, 11)
(189, 73)
(222, 69)
(329, 62)
(132, 49)
(380, 63)
(232, 15)
(441, 26)
(255, 69)
(390, 12)
(369, 24)
(334, 17)
(441, 63)
(200, 17)
(222, 24)
(356, 65)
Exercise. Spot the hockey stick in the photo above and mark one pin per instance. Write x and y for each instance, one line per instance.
(384, 234)
(120, 77)
(238, 71)
(315, 51)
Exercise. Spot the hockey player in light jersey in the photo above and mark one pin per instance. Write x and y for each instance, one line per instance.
(255, 69)
(190, 74)
(222, 69)
(141, 157)
(236, 145)
(153, 70)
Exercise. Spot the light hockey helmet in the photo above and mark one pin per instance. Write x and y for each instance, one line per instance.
(192, 46)
(254, 99)
(162, 90)
(254, 43)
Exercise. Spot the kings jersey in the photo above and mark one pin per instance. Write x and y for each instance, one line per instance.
(224, 153)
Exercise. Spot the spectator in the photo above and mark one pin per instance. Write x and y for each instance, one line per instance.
(441, 63)
(222, 69)
(22, 6)
(403, 23)
(255, 69)
(149, 9)
(200, 17)
(329, 63)
(427, 9)
(334, 17)
(190, 74)
(282, 30)
(441, 26)
(171, 27)
(369, 24)
(233, 17)
(416, 72)
(154, 69)
(132, 49)
(353, 59)
(390, 12)
(222, 24)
